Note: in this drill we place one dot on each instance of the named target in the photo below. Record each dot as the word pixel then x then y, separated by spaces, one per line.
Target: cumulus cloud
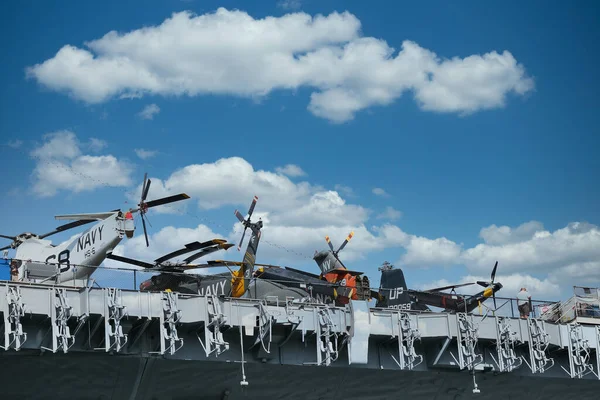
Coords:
pixel 289 4
pixel 145 154
pixel 565 257
pixel 390 213
pixel 15 144
pixel 498 235
pixel 61 165
pixel 149 111
pixel 380 192
pixel 544 251
pixel 96 145
pixel 229 52
pixel 291 170
pixel 298 215
pixel 345 190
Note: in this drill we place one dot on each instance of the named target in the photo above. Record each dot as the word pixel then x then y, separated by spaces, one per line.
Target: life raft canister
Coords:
pixel 129 225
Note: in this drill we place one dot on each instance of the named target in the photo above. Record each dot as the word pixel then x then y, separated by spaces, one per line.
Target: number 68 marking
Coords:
pixel 63 258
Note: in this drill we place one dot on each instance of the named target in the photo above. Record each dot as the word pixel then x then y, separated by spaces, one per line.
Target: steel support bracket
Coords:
pixel 408 333
pixel 507 360
pixel 13 310
pixel 169 318
pixel 214 320
pixel 114 312
pixel 538 340
pixel 60 314
pixel 579 353
pixel 467 337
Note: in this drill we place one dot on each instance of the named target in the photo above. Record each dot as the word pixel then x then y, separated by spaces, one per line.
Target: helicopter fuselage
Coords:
pixel 79 257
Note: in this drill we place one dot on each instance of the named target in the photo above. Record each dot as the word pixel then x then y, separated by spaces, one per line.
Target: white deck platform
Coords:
pixel 274 337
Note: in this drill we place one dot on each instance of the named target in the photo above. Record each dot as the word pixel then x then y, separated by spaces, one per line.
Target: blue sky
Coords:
pixel 478 143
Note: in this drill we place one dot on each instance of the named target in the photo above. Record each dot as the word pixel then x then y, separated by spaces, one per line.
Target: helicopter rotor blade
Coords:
pixel 165 200
pixel 239 216
pixel 208 251
pixel 9 237
pixel 68 226
pixel 145 188
pixel 131 261
pixel 145 232
pixel 329 243
pixel 348 238
pixel 252 205
pixel 448 287
pixel 242 239
pixel 494 271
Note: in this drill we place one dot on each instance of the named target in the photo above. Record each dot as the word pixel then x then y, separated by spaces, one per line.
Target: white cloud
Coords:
pixel 566 257
pixel 149 111
pixel 380 192
pixel 145 154
pixel 421 251
pixel 544 251
pixel 60 165
pixel 15 144
pixel 97 145
pixel 297 217
pixel 291 170
pixel 495 235
pixel 232 53
pixel 345 190
pixel 390 213
pixel 289 4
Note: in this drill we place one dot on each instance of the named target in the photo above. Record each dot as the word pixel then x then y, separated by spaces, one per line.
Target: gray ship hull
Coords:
pixel 103 377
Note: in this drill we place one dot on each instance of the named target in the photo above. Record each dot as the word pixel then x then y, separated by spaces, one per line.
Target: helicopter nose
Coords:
pixel 144 285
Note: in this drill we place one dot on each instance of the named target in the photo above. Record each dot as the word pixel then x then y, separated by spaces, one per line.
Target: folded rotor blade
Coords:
pixel 224 263
pixel 68 226
pixel 179 268
pixel 189 247
pixel 207 251
pixel 130 261
pixel 448 287
pixel 166 200
pixel 483 283
pixel 303 272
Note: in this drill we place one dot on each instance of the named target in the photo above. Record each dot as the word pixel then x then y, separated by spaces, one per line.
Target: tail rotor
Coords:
pixel 143 207
pixel 336 252
pixel 492 284
pixel 246 222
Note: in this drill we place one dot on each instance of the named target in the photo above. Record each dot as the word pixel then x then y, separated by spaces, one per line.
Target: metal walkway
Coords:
pixel 64 320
